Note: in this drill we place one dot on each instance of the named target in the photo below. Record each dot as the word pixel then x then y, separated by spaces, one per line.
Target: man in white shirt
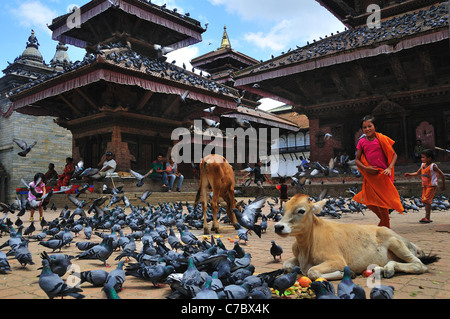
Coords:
pixel 108 165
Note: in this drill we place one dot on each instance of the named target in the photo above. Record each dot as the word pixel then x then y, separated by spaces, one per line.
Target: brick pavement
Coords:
pixel 22 283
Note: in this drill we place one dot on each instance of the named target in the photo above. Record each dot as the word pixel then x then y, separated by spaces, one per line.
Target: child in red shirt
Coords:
pixel 283 188
pixel 429 173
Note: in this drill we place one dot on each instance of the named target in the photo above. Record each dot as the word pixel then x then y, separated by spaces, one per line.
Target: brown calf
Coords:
pixel 217 173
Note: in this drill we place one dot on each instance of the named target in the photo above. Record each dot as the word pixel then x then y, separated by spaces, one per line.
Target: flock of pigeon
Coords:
pixel 393 29
pixel 170 253
pixel 194 268
pixel 189 265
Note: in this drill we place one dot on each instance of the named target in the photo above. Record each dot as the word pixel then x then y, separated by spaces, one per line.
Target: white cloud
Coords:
pixel 276 39
pixel 34 14
pixel 184 55
pixel 291 21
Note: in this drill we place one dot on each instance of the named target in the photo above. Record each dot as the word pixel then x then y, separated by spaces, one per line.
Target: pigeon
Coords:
pixel 85 245
pixel 347 289
pixel 54 286
pixel 323 290
pixel 184 96
pixel 53 244
pixel 154 273
pixel 275 250
pixel 29 230
pixel 207 292
pixel 173 240
pixel 234 292
pixel 192 276
pixel 260 292
pixel 87 231
pixel 242 233
pixel 96 277
pixel 128 249
pixel 249 216
pixel 4 264
pixel 285 281
pixel 24 146
pixel 382 292
pixel 23 254
pixel 101 251
pixel 144 196
pixel 59 263
pixel 114 281
pixel 81 190
pixel 140 177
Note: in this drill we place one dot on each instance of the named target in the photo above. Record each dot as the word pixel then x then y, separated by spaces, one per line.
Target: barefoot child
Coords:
pixel 429 173
pixel 375 158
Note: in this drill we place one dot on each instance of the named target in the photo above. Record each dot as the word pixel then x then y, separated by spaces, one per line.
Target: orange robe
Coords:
pixel 379 190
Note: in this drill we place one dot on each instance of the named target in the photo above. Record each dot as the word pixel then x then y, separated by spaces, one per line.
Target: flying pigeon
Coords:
pixel 24 146
pixel 249 216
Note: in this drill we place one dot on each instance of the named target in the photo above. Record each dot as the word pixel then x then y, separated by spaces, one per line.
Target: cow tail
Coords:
pixel 429 259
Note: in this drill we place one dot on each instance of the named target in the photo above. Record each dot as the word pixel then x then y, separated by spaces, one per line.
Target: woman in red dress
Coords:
pixel 69 169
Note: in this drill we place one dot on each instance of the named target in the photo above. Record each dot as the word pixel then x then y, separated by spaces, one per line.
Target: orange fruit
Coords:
pixel 304 281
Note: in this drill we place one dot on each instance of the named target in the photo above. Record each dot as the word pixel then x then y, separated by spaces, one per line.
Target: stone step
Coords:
pixel 60 200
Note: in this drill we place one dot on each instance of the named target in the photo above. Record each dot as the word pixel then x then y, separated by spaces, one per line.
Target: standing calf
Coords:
pixel 217 173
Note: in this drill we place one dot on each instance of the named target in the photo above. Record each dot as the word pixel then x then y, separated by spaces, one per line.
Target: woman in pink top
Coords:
pixel 39 187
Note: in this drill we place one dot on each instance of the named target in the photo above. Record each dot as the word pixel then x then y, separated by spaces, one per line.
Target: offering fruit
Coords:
pixel 304 281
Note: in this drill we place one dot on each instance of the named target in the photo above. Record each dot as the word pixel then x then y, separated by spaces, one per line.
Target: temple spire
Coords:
pixel 226 44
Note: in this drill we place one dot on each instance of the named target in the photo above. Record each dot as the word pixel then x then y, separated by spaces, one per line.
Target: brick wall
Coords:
pixel 54 145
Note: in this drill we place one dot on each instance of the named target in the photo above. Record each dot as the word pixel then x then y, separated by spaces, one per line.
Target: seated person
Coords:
pixel 159 173
pixel 172 171
pixel 69 169
pixel 108 165
pixel 51 176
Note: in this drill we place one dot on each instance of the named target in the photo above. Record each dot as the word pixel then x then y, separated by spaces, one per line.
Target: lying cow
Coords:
pixel 217 173
pixel 323 248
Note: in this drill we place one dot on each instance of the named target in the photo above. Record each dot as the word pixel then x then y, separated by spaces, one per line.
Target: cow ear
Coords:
pixel 317 207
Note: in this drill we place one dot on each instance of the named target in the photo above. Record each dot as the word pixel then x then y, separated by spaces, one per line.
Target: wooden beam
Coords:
pixel 174 104
pixel 145 98
pixel 94 32
pixel 90 102
pixel 362 77
pixel 306 90
pixel 336 78
pixel 70 105
pixel 399 71
pixel 427 66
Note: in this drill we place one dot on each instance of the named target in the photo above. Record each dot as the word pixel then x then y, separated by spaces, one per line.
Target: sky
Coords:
pixel 257 28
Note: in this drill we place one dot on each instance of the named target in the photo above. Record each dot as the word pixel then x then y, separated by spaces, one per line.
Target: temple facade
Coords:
pixel 124 96
pixel 399 71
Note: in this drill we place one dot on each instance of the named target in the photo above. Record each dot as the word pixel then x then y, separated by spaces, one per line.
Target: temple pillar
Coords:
pixel 120 150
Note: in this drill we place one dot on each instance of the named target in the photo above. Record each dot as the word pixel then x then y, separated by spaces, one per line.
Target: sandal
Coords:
pixel 425 220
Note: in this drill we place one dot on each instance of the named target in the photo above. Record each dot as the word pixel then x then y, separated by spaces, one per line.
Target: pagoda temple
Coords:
pixel 399 71
pixel 223 62
pixel 124 96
